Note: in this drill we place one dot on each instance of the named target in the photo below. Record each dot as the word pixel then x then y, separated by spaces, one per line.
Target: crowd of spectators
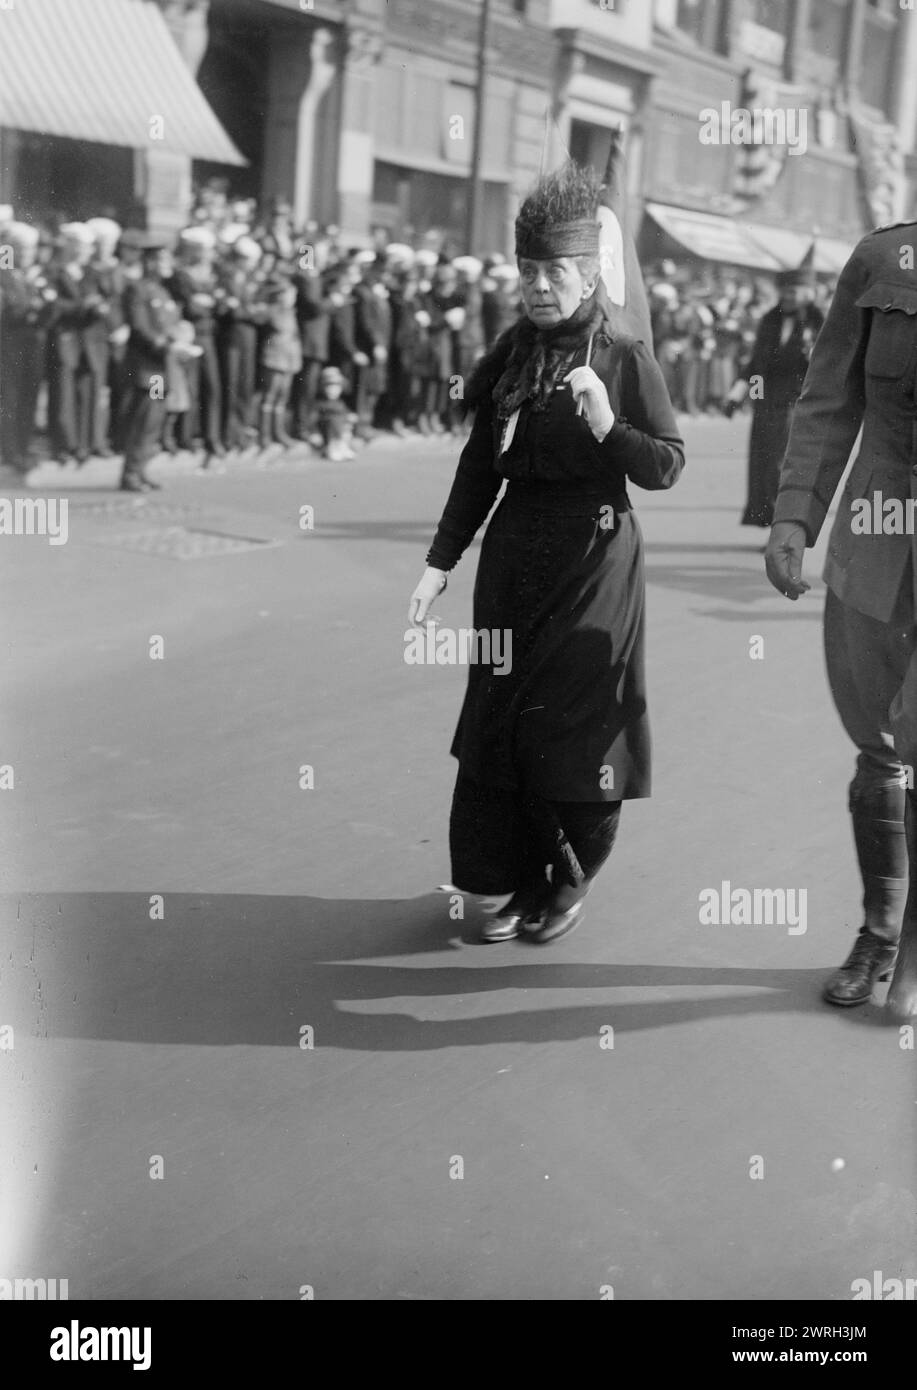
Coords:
pixel 288 337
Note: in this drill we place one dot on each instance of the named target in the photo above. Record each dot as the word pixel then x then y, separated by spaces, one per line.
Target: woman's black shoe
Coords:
pixel 559 921
pixel 526 909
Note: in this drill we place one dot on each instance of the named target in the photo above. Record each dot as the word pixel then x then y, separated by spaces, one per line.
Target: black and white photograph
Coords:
pixel 458 713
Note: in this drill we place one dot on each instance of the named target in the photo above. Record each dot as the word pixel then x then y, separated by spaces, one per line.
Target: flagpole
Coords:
pixel 475 189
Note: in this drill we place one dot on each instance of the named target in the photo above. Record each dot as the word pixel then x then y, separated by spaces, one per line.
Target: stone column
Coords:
pixel 355 157
pixel 853 46
pixel 322 70
pixel 903 106
pixel 796 38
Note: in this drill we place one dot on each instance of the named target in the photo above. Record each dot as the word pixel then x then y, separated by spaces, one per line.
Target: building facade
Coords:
pixel 843 73
pixel 361 112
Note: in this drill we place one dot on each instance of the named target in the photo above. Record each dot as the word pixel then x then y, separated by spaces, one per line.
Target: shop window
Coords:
pixel 827 28
pixel 770 14
pixel 703 21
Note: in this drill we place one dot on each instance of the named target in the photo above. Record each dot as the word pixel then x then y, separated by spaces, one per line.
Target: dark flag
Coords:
pixel 621 273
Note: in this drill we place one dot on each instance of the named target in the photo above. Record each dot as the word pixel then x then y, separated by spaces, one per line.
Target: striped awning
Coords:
pixel 107 71
pixel 713 238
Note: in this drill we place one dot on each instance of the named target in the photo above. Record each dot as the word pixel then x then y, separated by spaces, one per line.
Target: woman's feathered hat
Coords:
pixel 560 216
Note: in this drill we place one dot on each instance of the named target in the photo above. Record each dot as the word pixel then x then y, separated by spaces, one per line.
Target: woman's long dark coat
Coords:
pixel 561 568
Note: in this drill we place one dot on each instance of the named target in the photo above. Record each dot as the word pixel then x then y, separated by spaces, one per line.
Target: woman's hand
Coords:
pixel 430 587
pixel 589 387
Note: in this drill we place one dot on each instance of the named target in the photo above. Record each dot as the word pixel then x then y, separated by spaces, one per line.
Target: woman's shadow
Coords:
pixel 233 970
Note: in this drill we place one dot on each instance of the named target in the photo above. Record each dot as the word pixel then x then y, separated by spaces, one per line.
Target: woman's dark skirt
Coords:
pixel 548 749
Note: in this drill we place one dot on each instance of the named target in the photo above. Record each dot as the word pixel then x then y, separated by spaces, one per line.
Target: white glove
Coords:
pixel 430 587
pixel 455 318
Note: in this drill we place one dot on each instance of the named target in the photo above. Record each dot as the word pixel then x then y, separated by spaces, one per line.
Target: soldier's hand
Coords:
pixel 430 587
pixel 783 558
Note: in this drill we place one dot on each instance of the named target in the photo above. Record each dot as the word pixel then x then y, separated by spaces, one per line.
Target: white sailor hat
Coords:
pixel 77 231
pixel 663 290
pixel 398 253
pixel 504 272
pixel 246 247
pixel 231 231
pixel 22 234
pixel 365 257
pixel 469 266
pixel 198 236
pixel 426 258
pixel 104 228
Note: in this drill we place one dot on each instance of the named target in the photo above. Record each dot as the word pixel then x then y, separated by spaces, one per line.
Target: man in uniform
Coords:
pixel 26 308
pixel 109 333
pixel 242 312
pixel 80 345
pixel 863 372
pixel 154 319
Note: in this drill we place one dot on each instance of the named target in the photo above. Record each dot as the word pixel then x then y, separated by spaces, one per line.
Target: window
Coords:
pixel 771 14
pixel 879 41
pixel 703 21
pixel 827 28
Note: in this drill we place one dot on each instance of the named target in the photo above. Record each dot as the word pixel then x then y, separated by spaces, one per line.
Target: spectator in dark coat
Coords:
pixel 79 345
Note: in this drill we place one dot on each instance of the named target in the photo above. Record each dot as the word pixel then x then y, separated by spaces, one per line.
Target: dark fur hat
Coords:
pixel 559 216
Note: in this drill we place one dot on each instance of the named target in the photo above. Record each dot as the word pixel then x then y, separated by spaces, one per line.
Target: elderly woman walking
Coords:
pixel 555 736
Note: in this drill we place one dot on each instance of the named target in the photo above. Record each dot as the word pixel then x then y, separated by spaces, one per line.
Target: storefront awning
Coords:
pixel 831 254
pixel 713 238
pixel 104 70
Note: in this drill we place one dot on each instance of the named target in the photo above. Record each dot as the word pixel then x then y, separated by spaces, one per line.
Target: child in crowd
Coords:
pixel 335 421
pixel 281 360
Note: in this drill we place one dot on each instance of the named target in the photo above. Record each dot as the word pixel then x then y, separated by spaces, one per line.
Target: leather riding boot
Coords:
pixel 871 960
pixel 902 996
pixel 879 834
pixel 878 830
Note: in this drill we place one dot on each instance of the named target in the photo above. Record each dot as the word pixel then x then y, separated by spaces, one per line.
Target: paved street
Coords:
pixel 178 910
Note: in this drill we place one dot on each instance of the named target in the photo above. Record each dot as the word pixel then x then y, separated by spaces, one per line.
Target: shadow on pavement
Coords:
pixel 228 970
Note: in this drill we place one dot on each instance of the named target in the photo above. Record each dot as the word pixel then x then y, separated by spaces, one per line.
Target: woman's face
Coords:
pixel 552 290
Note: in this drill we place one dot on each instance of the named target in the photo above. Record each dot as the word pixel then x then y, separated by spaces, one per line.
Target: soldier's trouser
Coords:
pixel 143 431
pixel 871 665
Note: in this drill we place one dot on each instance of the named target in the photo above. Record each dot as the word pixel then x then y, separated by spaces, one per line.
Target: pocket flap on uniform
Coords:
pixel 887 295
pixel 893 330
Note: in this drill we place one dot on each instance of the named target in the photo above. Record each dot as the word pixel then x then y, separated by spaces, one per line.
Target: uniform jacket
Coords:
pixel 23 306
pixel 312 308
pixel 83 309
pixel 152 314
pixel 862 373
pixel 197 294
pixel 241 306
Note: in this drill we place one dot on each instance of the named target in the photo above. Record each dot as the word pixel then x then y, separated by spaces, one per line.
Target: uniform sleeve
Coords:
pixel 644 439
pixel 473 493
pixel 143 331
pixel 829 412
